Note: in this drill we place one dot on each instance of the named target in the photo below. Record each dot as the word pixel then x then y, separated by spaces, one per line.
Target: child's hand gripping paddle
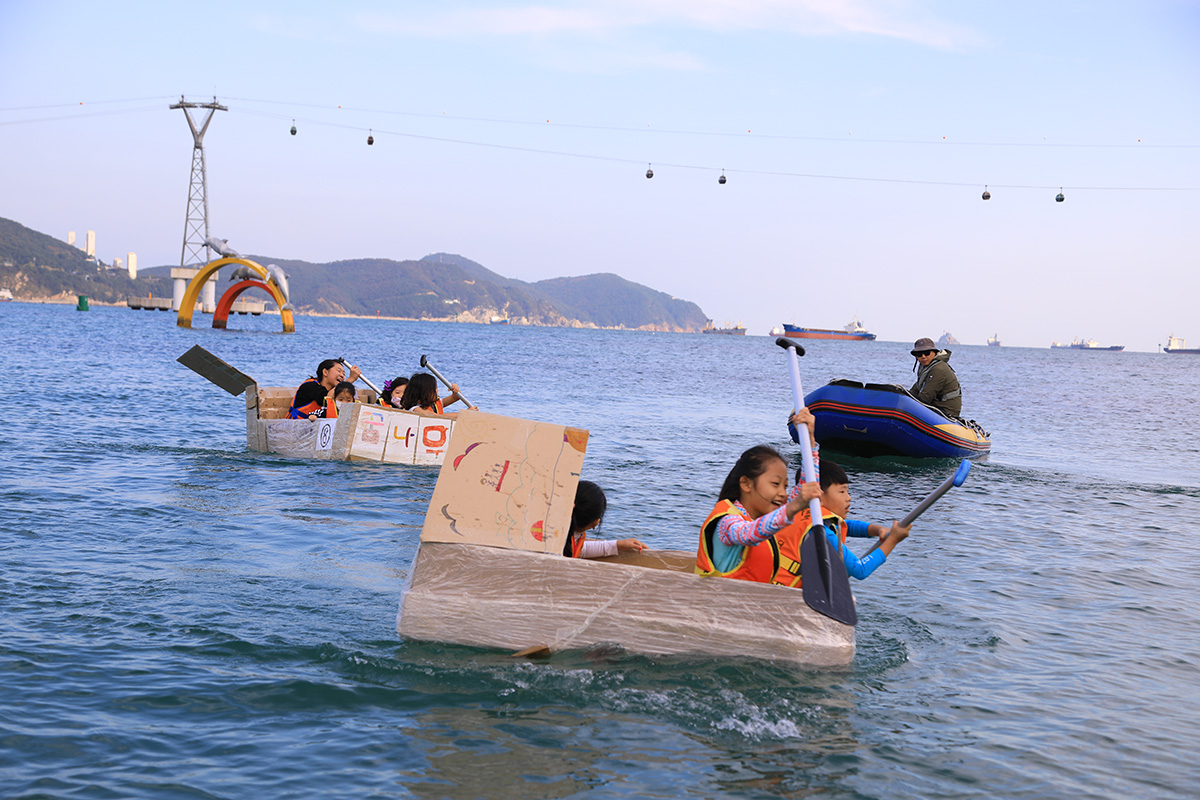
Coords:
pixel 824 581
pixel 426 365
pixel 956 479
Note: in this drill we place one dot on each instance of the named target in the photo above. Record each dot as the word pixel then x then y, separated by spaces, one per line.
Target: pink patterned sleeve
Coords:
pixel 734 532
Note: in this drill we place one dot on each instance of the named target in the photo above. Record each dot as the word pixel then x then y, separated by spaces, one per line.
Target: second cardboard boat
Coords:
pixel 490 573
pixel 360 432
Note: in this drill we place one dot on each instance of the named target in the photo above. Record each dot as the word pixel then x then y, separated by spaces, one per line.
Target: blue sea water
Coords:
pixel 184 618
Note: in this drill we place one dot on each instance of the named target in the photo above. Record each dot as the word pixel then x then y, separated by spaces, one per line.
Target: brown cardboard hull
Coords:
pixel 361 432
pixel 650 604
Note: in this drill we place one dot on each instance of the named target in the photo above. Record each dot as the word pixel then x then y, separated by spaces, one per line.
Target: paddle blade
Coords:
pixel 824 581
pixel 789 344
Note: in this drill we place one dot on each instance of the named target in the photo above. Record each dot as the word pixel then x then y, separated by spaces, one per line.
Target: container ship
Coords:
pixel 853 330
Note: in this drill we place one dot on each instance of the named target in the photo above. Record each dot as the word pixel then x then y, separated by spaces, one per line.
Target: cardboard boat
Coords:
pixel 360 432
pixel 489 570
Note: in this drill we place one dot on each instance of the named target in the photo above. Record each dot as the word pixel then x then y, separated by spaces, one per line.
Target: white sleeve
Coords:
pixel 598 548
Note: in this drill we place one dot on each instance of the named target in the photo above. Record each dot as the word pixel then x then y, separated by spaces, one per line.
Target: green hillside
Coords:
pixel 420 289
pixel 35 266
pixel 605 300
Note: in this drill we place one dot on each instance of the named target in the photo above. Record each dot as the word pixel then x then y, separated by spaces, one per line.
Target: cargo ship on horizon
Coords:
pixel 1179 346
pixel 853 330
pixel 731 330
pixel 1086 344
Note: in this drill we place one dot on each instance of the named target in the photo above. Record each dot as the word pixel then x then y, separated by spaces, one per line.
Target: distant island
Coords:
pixel 442 286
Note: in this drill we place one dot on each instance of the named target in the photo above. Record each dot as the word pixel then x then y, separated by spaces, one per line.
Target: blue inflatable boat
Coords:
pixel 877 419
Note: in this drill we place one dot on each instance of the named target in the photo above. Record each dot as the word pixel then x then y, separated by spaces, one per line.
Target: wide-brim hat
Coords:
pixel 922 345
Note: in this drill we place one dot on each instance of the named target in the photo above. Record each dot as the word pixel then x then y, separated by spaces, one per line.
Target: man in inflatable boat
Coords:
pixel 936 385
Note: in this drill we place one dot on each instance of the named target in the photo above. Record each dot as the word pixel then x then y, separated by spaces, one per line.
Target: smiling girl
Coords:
pixel 737 538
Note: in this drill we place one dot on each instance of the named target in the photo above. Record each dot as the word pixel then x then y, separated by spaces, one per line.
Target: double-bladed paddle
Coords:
pixel 823 577
pixel 956 479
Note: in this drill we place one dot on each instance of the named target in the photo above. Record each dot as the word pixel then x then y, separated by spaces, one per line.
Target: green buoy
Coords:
pixel 83 303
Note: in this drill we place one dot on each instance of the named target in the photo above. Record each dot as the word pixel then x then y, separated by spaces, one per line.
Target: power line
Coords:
pixel 706 168
pixel 84 115
pixel 849 138
pixel 87 103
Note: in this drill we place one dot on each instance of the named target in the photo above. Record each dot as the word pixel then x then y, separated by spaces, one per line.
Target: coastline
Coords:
pixel 70 300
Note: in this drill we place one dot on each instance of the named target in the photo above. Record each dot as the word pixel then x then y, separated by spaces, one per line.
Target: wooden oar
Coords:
pixel 824 581
pixel 537 651
pixel 426 365
pixel 956 479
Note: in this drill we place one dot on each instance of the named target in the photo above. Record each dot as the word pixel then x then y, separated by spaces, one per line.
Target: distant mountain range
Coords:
pixel 439 286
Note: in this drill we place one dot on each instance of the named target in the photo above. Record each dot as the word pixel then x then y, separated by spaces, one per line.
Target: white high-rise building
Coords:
pixel 71 237
pixel 118 263
pixel 91 244
pixel 132 262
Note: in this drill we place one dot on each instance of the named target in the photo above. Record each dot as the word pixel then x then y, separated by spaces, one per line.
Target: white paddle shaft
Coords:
pixel 806 460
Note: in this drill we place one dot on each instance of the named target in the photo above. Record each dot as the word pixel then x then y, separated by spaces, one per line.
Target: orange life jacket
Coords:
pixel 575 542
pixel 759 562
pixel 436 408
pixel 330 408
pixel 789 539
pixel 308 408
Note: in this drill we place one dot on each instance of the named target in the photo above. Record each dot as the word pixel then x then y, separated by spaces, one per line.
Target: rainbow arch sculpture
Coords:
pixel 225 304
pixel 188 305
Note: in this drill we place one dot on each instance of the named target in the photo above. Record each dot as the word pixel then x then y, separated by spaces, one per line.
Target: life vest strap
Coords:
pixel 790 566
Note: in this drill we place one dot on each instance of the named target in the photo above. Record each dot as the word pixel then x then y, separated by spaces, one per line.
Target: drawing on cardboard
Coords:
pixel 516 490
pixel 470 447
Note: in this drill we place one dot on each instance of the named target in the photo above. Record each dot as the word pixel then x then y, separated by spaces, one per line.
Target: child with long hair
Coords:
pixel 590 505
pixel 420 395
pixel 737 537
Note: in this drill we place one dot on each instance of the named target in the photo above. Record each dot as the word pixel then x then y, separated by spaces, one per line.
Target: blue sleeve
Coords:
pixel 857 568
pixel 856 527
pixel 725 556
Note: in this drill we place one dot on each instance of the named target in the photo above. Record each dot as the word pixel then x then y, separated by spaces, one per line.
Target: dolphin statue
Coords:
pixel 244 273
pixel 281 279
pixel 222 247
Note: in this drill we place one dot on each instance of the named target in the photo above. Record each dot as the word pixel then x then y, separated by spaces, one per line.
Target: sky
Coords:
pixel 856 138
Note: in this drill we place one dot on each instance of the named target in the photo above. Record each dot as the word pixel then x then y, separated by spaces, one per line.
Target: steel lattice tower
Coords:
pixel 195 227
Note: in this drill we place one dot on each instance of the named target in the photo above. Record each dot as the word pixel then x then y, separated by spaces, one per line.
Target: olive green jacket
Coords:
pixel 937 386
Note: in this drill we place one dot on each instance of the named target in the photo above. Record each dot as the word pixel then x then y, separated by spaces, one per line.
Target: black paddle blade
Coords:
pixel 824 581
pixel 786 343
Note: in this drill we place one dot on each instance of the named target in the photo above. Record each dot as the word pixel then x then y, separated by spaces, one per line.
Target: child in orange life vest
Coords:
pixel 342 393
pixel 420 395
pixel 392 392
pixel 737 538
pixel 835 504
pixel 590 505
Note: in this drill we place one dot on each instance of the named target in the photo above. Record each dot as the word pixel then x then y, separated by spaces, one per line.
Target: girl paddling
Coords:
pixel 736 540
pixel 420 395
